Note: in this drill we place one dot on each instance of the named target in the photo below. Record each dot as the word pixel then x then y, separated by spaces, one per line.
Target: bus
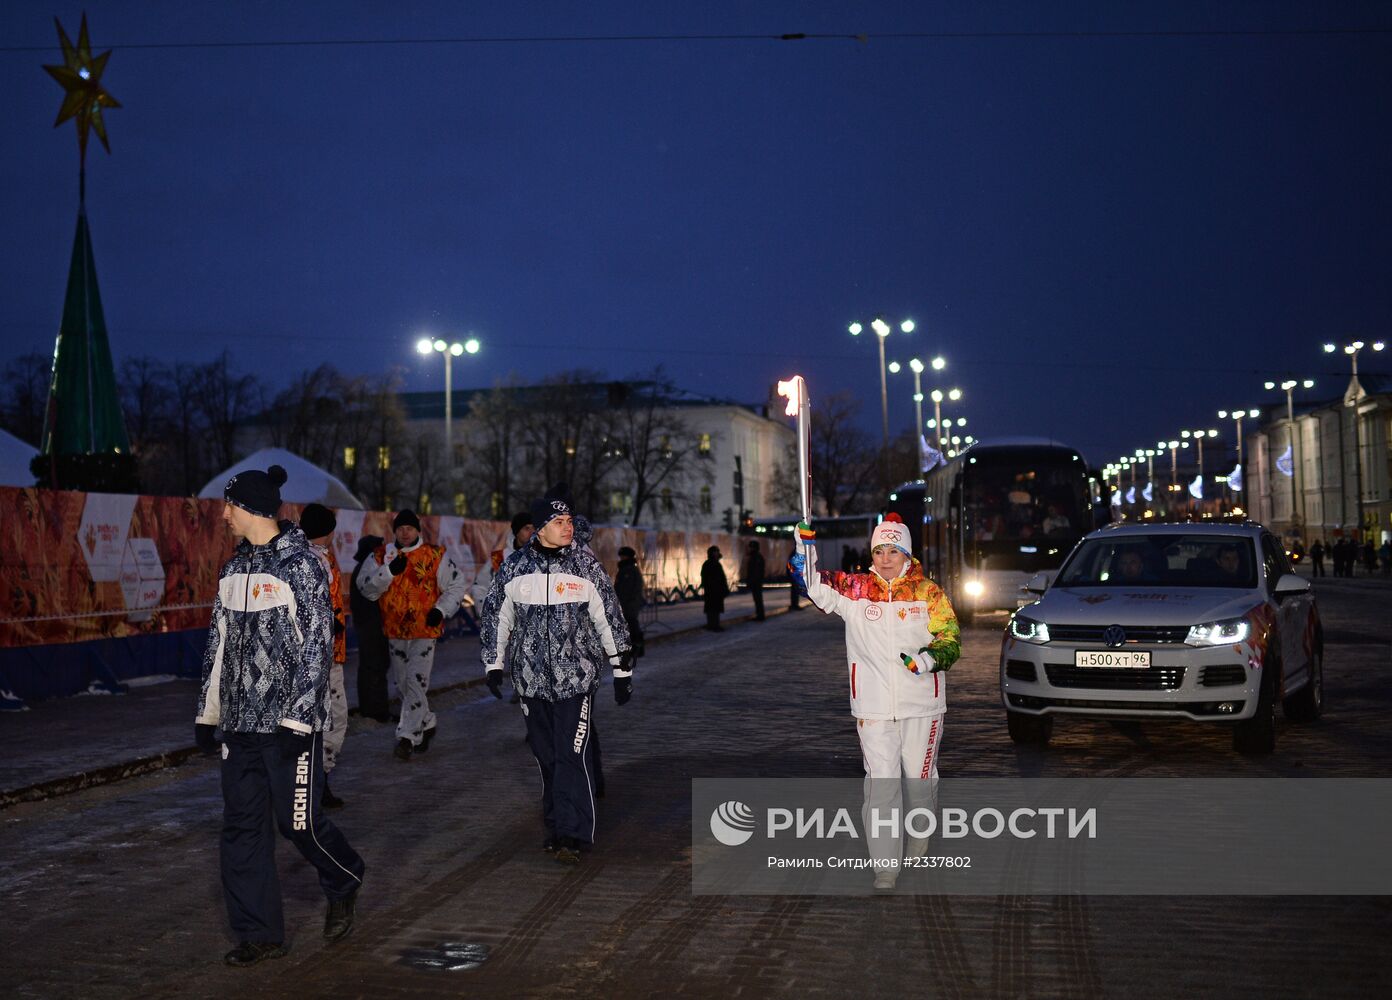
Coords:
pixel 995 515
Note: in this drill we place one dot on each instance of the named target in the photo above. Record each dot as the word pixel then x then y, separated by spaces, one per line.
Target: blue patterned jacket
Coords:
pixel 269 641
pixel 551 618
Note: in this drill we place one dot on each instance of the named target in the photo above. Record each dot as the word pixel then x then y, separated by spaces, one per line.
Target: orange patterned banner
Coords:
pixel 80 566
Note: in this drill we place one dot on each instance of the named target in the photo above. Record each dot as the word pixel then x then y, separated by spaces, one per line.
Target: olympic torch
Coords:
pixel 795 389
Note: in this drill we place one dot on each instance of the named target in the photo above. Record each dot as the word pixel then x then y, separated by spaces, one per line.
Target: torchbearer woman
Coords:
pixel 901 636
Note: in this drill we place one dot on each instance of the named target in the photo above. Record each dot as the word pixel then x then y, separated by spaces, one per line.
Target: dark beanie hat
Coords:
pixel 627 553
pixel 256 492
pixel 365 546
pixel 520 520
pixel 406 517
pixel 555 503
pixel 713 552
pixel 316 521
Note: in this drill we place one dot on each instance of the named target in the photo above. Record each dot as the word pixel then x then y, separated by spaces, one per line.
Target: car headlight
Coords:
pixel 974 588
pixel 1029 630
pixel 1224 633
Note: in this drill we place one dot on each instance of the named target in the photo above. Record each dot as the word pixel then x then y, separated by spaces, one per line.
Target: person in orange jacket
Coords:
pixel 417 587
pixel 318 524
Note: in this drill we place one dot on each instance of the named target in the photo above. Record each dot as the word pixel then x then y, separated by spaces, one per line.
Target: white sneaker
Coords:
pixel 916 847
pixel 884 880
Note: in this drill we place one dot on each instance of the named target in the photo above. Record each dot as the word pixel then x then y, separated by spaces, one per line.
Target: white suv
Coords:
pixel 1195 621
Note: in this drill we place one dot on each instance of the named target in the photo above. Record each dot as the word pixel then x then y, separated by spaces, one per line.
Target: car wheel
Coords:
pixel 1307 703
pixel 1257 735
pixel 1029 729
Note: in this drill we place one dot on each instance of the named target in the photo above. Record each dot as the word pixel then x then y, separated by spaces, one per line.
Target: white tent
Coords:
pixel 14 461
pixel 305 482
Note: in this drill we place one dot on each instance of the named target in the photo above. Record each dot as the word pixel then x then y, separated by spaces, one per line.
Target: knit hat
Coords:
pixel 366 545
pixel 406 518
pixel 256 492
pixel 316 521
pixel 627 553
pixel 520 520
pixel 713 552
pixel 555 503
pixel 892 531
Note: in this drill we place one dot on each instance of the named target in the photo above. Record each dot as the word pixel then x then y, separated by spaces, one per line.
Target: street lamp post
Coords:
pixel 1198 437
pixel 916 366
pixel 1297 487
pixel 882 330
pixel 451 350
pixel 1351 399
pixel 938 396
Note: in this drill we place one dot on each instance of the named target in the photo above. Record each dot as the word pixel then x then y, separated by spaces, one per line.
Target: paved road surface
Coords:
pixel 112 892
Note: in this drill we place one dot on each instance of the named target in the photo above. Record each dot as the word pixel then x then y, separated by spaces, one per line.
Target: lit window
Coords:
pixel 350 457
pixel 424 506
pixel 705 500
pixel 703 444
pixel 666 448
pixel 570 446
pixel 384 457
pixel 461 505
pixel 495 505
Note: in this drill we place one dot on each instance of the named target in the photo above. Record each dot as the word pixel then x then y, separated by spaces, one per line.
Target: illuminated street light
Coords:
pixel 450 350
pixel 882 330
pixel 937 395
pixel 1288 386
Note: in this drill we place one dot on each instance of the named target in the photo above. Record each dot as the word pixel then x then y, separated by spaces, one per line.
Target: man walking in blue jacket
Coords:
pixel 265 676
pixel 552 619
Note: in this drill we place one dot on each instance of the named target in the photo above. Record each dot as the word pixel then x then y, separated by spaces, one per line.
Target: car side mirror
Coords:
pixel 1038 583
pixel 1289 585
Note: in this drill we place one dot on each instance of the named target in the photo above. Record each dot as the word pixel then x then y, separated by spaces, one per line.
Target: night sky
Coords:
pixel 1112 219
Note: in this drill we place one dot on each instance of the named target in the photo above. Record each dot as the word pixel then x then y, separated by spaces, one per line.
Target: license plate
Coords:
pixel 1138 659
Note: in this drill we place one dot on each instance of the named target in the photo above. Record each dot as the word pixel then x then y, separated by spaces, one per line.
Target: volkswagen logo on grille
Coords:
pixel 1114 636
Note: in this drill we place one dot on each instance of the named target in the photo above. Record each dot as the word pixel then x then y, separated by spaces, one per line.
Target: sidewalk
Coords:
pixel 67 744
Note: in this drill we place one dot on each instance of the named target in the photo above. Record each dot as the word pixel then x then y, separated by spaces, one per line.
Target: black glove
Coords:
pixel 292 743
pixel 623 690
pixel 397 565
pixel 204 737
pixel 626 659
pixel 435 617
pixel 495 683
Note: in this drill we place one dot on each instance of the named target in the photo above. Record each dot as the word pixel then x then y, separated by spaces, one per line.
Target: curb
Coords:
pixel 55 787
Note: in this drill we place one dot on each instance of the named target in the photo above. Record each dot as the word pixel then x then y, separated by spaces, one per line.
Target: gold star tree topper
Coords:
pixel 84 96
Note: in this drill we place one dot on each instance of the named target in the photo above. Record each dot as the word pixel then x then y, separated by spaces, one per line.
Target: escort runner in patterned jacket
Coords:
pixel 901 637
pixel 265 681
pixel 417 586
pixel 551 619
pixel 318 524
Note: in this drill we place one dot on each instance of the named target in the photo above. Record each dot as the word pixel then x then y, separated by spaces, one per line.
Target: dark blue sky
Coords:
pixel 1109 237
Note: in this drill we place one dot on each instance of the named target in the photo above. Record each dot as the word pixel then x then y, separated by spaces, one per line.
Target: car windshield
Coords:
pixel 1162 560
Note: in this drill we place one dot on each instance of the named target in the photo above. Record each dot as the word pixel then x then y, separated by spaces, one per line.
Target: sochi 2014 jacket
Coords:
pixel 268 652
pixel 552 619
pixel 430 580
pixel 886 619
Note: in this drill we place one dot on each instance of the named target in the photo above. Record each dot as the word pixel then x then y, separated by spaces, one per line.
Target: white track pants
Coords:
pixel 338 718
pixel 412 660
pixel 901 774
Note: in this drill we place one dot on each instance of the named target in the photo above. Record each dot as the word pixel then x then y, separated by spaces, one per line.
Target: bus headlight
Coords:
pixel 973 588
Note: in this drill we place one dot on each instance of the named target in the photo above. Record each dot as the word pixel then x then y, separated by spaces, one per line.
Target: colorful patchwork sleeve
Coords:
pixel 946 646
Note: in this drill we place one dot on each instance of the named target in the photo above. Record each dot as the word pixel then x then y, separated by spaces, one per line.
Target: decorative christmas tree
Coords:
pixel 84 446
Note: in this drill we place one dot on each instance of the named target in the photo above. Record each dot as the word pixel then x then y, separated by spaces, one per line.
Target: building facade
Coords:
pixel 1328 473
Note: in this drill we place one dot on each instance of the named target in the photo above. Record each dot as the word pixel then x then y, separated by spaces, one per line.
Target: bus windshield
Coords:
pixel 1042 503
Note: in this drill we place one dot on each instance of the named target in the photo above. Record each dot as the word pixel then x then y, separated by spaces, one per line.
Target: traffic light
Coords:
pixel 729 519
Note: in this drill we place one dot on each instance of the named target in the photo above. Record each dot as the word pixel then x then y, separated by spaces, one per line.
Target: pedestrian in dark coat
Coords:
pixel 628 585
pixel 715 587
pixel 372 641
pixel 1317 557
pixel 754 578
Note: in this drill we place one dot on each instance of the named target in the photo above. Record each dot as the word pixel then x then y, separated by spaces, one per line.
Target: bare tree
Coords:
pixel 844 461
pixel 493 419
pixel 224 399
pixel 309 415
pixel 25 382
pixel 652 445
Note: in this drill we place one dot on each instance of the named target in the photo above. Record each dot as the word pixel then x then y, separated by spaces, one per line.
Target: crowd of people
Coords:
pixel 273 702
pixel 1346 555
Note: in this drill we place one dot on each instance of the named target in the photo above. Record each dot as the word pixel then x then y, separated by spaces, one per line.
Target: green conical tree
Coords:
pixel 85 446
